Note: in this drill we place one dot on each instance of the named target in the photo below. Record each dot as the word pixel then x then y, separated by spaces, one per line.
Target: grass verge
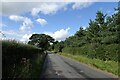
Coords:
pixel 109 66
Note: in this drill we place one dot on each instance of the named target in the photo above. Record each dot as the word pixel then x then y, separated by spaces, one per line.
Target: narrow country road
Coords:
pixel 58 67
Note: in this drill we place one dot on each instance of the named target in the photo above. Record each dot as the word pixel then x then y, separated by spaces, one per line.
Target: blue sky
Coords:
pixel 59 20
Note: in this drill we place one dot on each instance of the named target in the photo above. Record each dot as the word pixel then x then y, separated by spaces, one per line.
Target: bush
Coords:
pixel 110 40
pixel 16 57
pixel 102 52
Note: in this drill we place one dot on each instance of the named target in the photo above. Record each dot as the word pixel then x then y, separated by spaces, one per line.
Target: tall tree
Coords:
pixel 80 33
pixel 41 40
pixel 100 20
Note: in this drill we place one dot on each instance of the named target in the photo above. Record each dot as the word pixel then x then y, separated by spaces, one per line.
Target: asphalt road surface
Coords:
pixel 59 67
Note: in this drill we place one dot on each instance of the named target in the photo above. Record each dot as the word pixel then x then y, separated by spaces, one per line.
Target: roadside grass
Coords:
pixel 37 66
pixel 108 66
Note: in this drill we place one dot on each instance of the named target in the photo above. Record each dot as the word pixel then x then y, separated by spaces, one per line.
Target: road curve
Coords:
pixel 57 66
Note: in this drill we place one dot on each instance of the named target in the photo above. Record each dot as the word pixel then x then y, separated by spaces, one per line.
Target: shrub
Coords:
pixel 102 52
pixel 15 55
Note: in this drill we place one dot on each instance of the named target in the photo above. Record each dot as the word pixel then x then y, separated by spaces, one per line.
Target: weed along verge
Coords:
pixel 21 60
pixel 109 66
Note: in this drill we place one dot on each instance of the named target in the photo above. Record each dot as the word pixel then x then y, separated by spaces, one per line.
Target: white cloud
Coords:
pixel 59 35
pixel 16 35
pixel 48 8
pixel 65 8
pixel 10 34
pixel 17 8
pixel 16 18
pixel 35 11
pixel 24 30
pixel 2 25
pixel 42 21
pixel 26 25
pixel 25 37
pixel 81 5
pixel 60 1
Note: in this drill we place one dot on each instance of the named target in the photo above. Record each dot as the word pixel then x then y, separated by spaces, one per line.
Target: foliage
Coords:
pixel 41 40
pixel 102 52
pixel 99 40
pixel 109 66
pixel 19 60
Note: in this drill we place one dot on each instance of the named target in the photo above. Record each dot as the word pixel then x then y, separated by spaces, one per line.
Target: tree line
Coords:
pixel 99 40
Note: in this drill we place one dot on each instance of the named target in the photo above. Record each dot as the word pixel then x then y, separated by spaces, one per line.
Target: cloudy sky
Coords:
pixel 19 20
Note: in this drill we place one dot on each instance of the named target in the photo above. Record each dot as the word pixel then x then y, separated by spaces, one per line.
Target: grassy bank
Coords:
pixel 102 52
pixel 109 66
pixel 21 60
